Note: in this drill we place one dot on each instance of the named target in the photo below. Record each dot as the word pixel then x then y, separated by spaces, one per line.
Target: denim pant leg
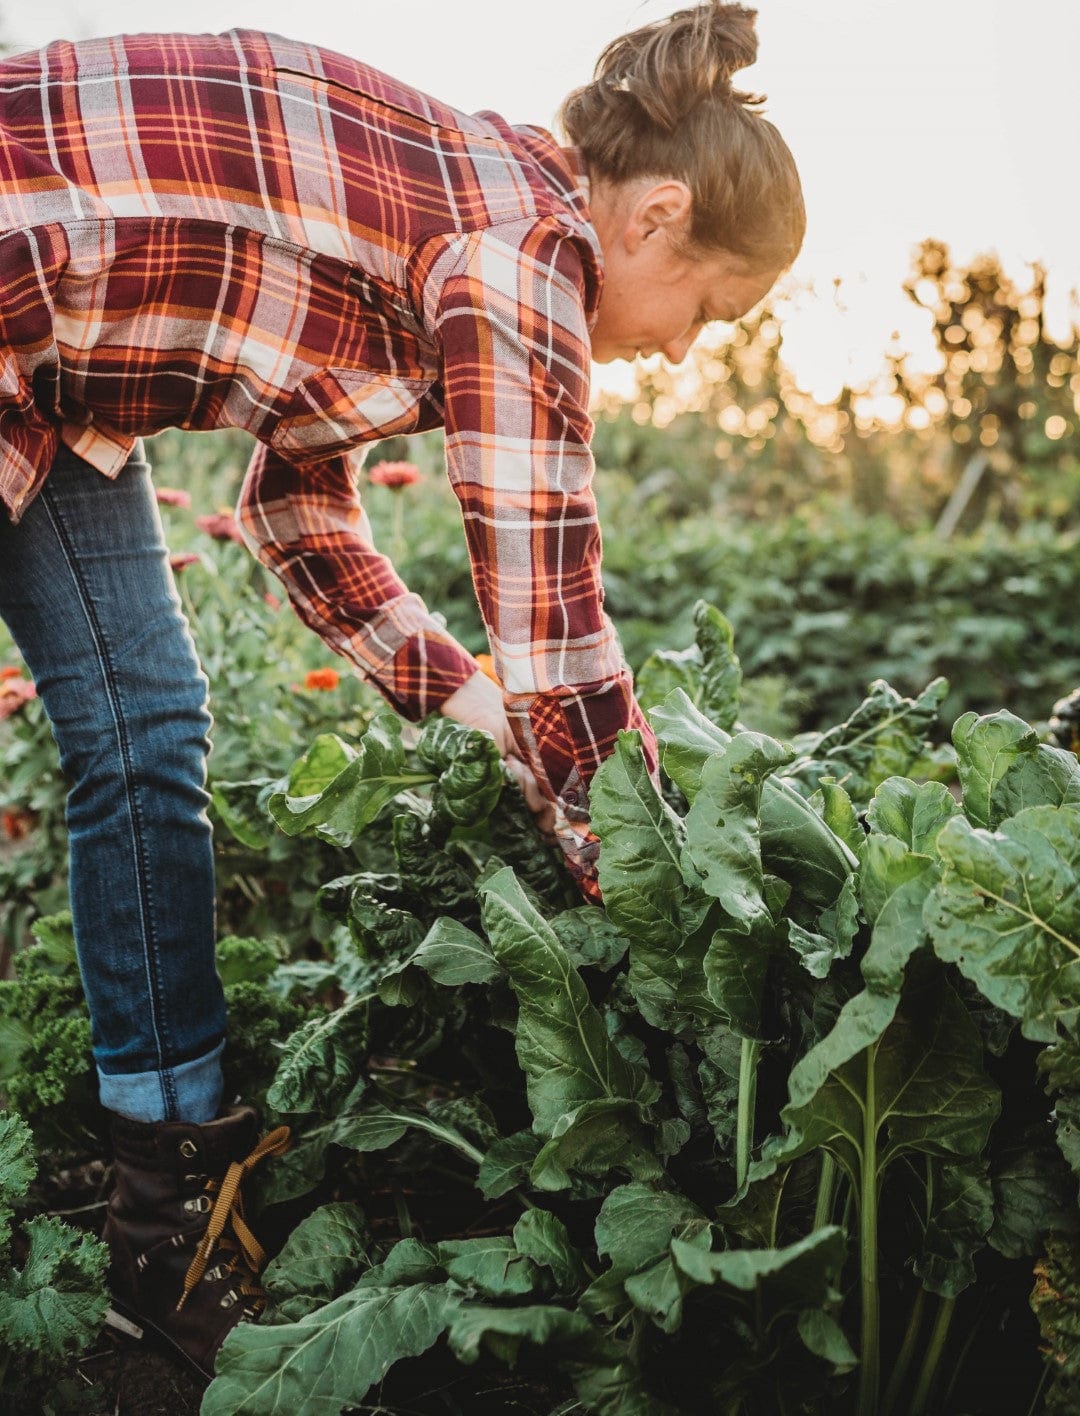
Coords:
pixel 88 596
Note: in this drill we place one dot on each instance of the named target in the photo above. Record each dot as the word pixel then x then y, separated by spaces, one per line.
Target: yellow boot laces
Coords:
pixel 229 1209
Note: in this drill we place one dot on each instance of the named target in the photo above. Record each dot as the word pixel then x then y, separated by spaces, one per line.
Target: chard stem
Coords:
pixel 868 1248
pixel 933 1356
pixel 826 1189
pixel 907 1349
pixel 744 1136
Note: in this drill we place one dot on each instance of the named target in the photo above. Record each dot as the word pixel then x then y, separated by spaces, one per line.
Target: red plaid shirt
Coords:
pixel 245 231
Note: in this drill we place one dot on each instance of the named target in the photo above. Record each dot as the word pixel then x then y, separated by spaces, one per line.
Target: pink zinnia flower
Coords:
pixel 172 496
pixel 222 525
pixel 394 474
pixel 14 692
pixel 181 562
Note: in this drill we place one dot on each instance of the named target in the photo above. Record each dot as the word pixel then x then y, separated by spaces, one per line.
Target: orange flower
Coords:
pixel 222 525
pixel 272 600
pixel 394 474
pixel 325 679
pixel 172 496
pixel 9 671
pixel 14 692
pixel 487 666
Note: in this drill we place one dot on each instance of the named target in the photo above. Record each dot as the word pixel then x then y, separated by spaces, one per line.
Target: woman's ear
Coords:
pixel 663 207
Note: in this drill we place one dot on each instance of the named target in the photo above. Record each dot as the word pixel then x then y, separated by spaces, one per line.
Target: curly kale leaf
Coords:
pixel 55 1303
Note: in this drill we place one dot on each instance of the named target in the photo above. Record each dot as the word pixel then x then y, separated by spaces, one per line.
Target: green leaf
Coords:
pixel 378 1126
pixel 561 1043
pixel 665 670
pixel 507 1163
pixel 17 1164
pixel 590 939
pixel 469 768
pixel 55 1304
pixel 454 955
pixel 735 968
pixel 723 848
pixel 1003 768
pixel 607 1133
pixel 634 1229
pixel 542 1237
pixel 884 737
pixel 474 1327
pixel 241 808
pixel 911 1076
pixel 825 1338
pixel 912 812
pixel 321 1257
pixel 802 1275
pixel 1034 1192
pixel 491 1266
pixel 961 1212
pixel 1007 913
pixel 321 1061
pixel 1061 1066
pixel 687 740
pixel 332 1357
pixel 334 792
pixel 721 674
pixel 1055 1302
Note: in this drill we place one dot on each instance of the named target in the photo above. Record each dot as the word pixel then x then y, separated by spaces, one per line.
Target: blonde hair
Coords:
pixel 662 104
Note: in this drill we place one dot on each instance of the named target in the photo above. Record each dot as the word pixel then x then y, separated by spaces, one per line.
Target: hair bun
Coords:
pixel 673 64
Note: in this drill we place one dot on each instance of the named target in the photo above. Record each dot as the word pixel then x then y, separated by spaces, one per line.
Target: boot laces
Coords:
pixel 228 1210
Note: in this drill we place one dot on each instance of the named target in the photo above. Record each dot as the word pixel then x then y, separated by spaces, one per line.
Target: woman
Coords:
pixel 246 231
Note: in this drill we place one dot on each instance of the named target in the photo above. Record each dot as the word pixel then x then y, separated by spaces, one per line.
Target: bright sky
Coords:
pixel 909 118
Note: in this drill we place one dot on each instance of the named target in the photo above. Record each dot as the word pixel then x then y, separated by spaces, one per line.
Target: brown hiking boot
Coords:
pixel 185 1266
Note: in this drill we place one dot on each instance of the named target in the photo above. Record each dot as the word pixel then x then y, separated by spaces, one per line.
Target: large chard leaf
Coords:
pixel 796 843
pixel 323 1255
pixel 723 848
pixel 1007 913
pixel 888 1081
pixel 322 1061
pixel 801 1276
pixel 476 1326
pixel 1034 1192
pixel 469 769
pixel 334 791
pixel 634 1229
pixel 958 1213
pixel 708 672
pixel 883 738
pixel 1004 768
pixel 562 1045
pixel 333 1356
pixel 646 894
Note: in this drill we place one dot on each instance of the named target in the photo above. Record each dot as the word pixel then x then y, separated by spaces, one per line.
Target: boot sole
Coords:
pixel 139 1329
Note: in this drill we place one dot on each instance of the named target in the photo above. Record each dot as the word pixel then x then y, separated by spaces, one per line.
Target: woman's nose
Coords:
pixel 675 350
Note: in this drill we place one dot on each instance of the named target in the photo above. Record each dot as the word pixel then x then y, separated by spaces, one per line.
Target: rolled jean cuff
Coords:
pixel 189 1092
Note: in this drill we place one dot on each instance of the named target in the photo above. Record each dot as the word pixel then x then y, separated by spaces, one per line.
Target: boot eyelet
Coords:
pixel 229 1299
pixel 188 1148
pixel 194 1179
pixel 199 1205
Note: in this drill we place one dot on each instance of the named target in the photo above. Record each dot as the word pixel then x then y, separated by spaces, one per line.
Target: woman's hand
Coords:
pixel 478 703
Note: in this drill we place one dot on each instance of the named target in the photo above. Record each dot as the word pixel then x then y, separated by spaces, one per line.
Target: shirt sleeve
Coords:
pixel 509 320
pixel 307 524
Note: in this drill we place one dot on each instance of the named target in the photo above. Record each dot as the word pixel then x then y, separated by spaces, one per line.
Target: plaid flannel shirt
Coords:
pixel 245 231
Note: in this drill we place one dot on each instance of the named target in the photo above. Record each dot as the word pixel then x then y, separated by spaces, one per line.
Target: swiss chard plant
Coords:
pixel 789 1125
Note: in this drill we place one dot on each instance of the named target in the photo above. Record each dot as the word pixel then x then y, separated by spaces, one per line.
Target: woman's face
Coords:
pixel 655 300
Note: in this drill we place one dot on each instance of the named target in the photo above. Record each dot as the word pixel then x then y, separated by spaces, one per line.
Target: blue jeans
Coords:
pixel 88 596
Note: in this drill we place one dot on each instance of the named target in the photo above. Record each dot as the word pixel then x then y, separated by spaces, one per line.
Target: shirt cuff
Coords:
pixel 427 669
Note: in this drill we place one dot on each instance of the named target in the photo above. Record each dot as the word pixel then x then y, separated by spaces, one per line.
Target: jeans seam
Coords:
pixel 149 946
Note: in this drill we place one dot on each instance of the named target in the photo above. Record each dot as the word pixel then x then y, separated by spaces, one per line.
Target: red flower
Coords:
pixel 222 525
pixel 272 600
pixel 16 824
pixel 172 496
pixel 394 474
pixel 9 671
pixel 325 679
pixel 14 692
pixel 181 562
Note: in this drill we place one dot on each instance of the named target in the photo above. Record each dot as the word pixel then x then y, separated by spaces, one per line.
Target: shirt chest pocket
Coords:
pixel 337 409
